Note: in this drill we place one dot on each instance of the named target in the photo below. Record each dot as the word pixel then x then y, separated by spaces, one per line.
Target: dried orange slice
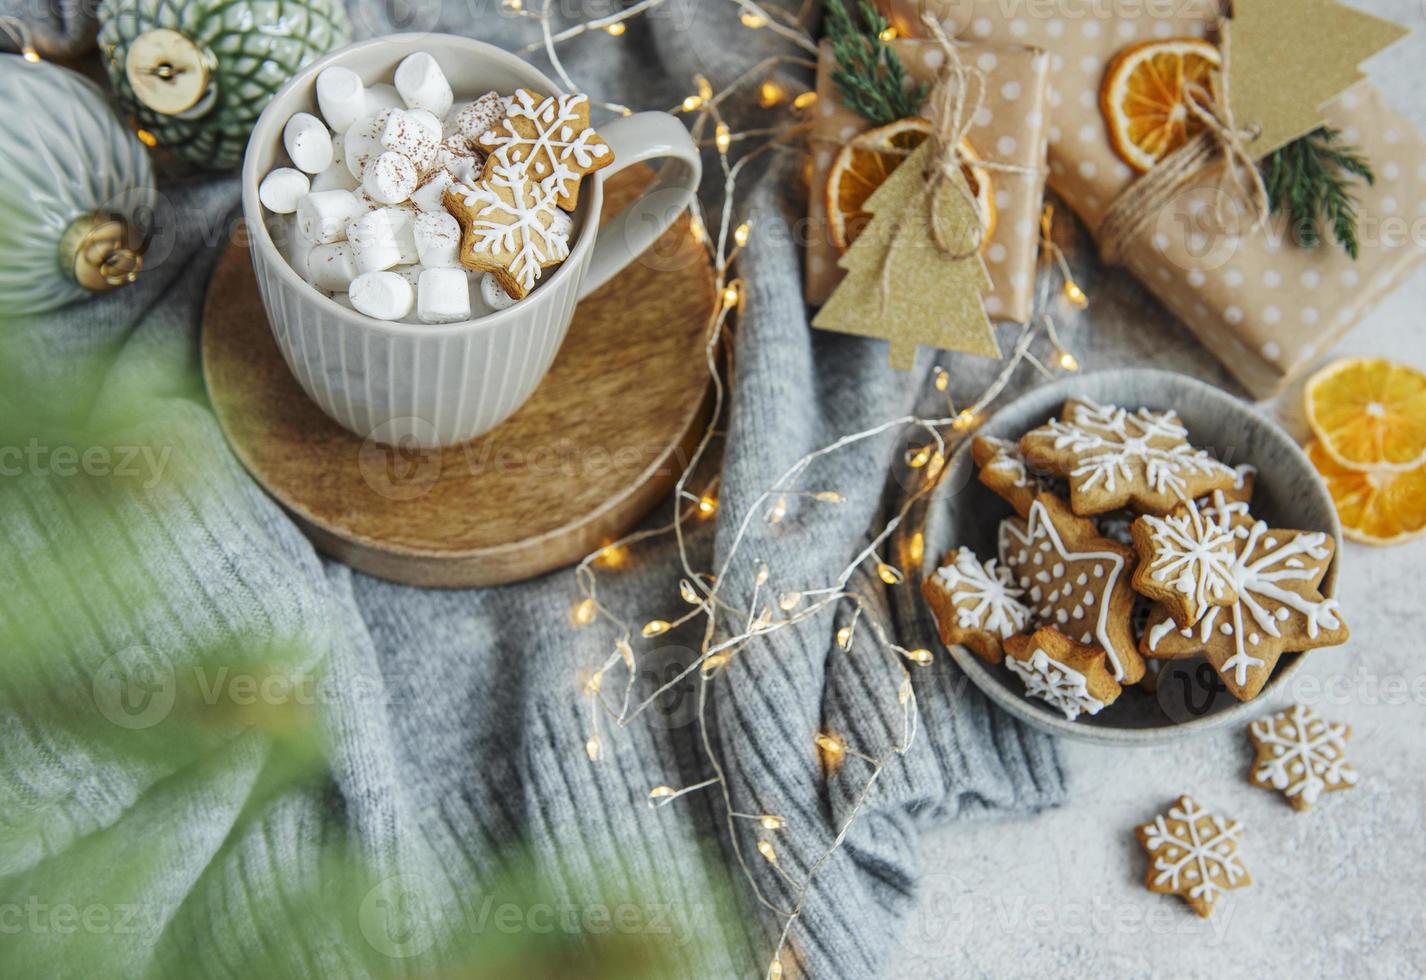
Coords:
pixel 1369 412
pixel 869 158
pixel 1145 93
pixel 1377 506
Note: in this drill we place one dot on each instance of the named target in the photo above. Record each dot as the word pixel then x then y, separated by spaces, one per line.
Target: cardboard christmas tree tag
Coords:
pixel 930 295
pixel 1287 60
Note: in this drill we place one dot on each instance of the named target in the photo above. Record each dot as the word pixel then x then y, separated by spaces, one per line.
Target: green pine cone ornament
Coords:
pixel 77 193
pixel 197 73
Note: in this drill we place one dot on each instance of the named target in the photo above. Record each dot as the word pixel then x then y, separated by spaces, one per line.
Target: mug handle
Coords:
pixel 624 237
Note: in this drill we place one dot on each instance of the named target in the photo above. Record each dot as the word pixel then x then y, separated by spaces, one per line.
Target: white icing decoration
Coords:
pixel 523 225
pixel 1051 681
pixel 1008 458
pixel 1257 580
pixel 1308 754
pixel 984 596
pixel 1200 850
pixel 1039 527
pixel 1192 556
pixel 559 140
pixel 1108 439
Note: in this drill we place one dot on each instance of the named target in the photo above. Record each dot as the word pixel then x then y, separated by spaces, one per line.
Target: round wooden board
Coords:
pixel 601 441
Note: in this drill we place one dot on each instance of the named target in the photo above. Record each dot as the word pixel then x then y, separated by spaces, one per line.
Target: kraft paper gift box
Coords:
pixel 1011 128
pixel 1264 305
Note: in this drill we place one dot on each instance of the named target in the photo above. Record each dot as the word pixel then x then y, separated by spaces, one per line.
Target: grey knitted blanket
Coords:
pixel 223 755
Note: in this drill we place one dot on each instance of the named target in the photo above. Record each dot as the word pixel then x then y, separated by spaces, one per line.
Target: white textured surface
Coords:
pixel 1338 889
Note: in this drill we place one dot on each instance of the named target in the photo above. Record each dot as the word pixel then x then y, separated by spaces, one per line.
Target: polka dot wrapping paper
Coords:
pixel 1265 306
pixel 1011 127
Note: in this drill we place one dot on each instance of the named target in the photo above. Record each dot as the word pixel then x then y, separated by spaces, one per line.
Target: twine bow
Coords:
pixel 955 101
pixel 1144 200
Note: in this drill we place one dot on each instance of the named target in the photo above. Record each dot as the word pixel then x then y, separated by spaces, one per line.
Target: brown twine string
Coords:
pixel 1141 203
pixel 955 101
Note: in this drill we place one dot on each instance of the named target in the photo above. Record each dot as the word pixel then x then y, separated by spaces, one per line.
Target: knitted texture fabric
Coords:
pixel 431 777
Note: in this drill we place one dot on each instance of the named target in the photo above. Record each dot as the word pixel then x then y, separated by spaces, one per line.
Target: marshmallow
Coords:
pixel 322 216
pixel 308 143
pixel 408 135
pixel 442 296
pixel 473 119
pixel 382 95
pixel 428 122
pixel 411 273
pixel 422 84
pixel 463 163
pixel 336 177
pixel 494 294
pixel 403 220
pixel 341 97
pixel 389 179
pixel 362 141
pixel 296 250
pixel 280 190
pixel 373 238
pixel 431 195
pixel 437 237
pixel 332 267
pixel 382 295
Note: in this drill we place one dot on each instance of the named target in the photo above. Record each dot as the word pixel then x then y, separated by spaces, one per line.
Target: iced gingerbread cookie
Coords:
pixel 551 137
pixel 509 227
pixel 1114 458
pixel 1278 610
pixel 1067 675
pixel 1193 853
pixel 1186 561
pixel 1075 580
pixel 976 605
pixel 1301 755
pixel 1245 479
pixel 1004 471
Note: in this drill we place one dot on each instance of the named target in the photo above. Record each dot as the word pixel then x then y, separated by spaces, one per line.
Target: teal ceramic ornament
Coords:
pixel 77 189
pixel 197 73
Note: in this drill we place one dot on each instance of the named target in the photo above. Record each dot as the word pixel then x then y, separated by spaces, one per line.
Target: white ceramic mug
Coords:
pixel 439 385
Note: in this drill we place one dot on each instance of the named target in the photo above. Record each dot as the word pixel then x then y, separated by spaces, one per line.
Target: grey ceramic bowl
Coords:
pixel 1289 494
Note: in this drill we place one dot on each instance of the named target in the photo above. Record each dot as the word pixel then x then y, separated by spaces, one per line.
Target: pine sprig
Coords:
pixel 1312 179
pixel 869 75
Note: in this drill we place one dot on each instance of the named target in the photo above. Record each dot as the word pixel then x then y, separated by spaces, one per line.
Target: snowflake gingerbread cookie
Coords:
pixel 1067 675
pixel 1114 458
pixel 509 227
pixel 1278 610
pixel 551 139
pixel 976 605
pixel 1193 853
pixel 1186 561
pixel 1301 755
pixel 1075 581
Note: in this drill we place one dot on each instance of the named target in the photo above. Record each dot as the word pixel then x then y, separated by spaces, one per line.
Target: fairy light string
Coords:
pixel 699 595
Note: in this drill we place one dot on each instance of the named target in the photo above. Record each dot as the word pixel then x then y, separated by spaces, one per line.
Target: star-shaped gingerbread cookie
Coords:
pixel 976 605
pixel 508 228
pixel 552 139
pixel 1075 580
pixel 1004 471
pixel 1279 609
pixel 1193 853
pixel 1067 675
pixel 1115 458
pixel 1186 561
pixel 1301 755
